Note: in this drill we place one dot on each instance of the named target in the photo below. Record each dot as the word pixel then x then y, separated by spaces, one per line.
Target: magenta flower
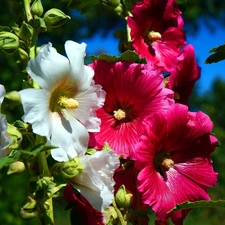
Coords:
pixel 184 75
pixel 156 32
pixel 133 91
pixel 173 157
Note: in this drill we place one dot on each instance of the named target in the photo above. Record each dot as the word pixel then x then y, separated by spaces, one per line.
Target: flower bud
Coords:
pixel 16 168
pixel 72 168
pixel 12 99
pixel 26 31
pixel 23 55
pixel 124 198
pixel 111 215
pixel 37 8
pixel 55 18
pixel 29 210
pixel 9 42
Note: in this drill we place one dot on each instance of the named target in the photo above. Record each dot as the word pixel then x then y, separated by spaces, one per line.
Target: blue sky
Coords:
pixel 203 41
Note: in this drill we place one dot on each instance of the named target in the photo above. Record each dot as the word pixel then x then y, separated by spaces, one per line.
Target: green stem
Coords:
pixel 48 217
pixel 28 14
pixel 122 221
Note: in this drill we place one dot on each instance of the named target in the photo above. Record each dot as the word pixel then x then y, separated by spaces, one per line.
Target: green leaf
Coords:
pixel 6 161
pixel 126 56
pixel 197 204
pixel 218 55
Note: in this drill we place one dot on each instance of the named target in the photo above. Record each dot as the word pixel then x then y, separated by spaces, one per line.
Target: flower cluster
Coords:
pixel 122 130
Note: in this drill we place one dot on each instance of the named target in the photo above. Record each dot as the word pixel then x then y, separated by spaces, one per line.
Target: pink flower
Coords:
pixel 173 157
pixel 156 32
pixel 133 91
pixel 184 75
pixel 87 214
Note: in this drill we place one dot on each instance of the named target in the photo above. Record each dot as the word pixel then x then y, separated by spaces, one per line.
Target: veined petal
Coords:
pixel 2 93
pixel 48 67
pixel 36 110
pixel 4 137
pixel 80 73
pixel 69 135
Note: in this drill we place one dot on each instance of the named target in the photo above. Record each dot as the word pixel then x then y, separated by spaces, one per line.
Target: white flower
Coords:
pixel 96 182
pixel 4 137
pixel 63 109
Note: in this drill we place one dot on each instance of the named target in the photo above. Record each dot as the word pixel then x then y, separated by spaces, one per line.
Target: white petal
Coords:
pixel 89 101
pixel 96 180
pixel 4 137
pixel 36 110
pixel 69 135
pixel 80 74
pixel 2 94
pixel 48 67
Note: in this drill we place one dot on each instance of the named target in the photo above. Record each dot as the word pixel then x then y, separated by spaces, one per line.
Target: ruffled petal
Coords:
pixel 4 137
pixel 96 180
pixel 2 93
pixel 48 67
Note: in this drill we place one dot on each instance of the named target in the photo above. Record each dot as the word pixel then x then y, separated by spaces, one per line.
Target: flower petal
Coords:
pixel 48 67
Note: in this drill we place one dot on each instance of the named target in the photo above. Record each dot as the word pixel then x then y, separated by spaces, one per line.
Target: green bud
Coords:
pixel 72 168
pixel 55 18
pixel 16 168
pixel 9 42
pixel 111 215
pixel 13 99
pixel 124 197
pixel 16 136
pixel 37 8
pixel 26 31
pixel 110 3
pixel 29 210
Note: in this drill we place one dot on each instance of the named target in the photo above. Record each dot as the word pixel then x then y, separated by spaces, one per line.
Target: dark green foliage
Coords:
pixel 218 55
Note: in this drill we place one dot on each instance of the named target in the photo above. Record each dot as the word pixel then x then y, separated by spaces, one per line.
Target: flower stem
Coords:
pixel 48 217
pixel 122 221
pixel 28 14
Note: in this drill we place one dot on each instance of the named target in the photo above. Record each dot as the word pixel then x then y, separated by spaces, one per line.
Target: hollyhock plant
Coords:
pixel 156 32
pixel 133 91
pixel 63 109
pixel 173 157
pixel 4 137
pixel 184 75
pixel 95 182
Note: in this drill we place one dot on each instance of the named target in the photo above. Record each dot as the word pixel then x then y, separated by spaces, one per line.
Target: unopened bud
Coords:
pixel 16 168
pixel 111 215
pixel 55 18
pixel 26 31
pixel 29 210
pixel 124 197
pixel 9 42
pixel 23 55
pixel 72 168
pixel 37 8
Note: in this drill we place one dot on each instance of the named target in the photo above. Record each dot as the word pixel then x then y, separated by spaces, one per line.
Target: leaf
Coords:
pixel 83 5
pixel 197 204
pixel 6 161
pixel 218 55
pixel 126 56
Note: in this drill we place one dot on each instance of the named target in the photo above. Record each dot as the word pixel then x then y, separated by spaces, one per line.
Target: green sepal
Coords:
pixel 126 56
pixel 90 151
pixel 218 55
pixel 197 204
pixel 106 146
pixel 7 160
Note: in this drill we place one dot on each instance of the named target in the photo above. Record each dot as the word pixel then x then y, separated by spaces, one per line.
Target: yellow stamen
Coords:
pixel 68 103
pixel 119 114
pixel 154 36
pixel 168 163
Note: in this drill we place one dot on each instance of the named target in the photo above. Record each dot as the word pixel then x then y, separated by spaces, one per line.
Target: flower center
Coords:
pixel 68 103
pixel 119 114
pixel 154 36
pixel 167 163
